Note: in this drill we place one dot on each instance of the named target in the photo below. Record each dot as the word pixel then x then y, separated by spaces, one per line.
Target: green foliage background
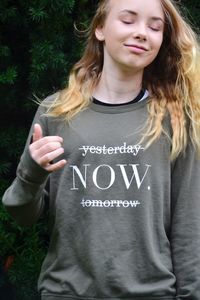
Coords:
pixel 38 46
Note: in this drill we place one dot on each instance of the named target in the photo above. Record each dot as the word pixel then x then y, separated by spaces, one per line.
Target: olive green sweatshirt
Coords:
pixel 124 220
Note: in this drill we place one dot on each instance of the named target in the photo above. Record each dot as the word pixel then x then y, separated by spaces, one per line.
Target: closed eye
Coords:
pixel 154 28
pixel 127 22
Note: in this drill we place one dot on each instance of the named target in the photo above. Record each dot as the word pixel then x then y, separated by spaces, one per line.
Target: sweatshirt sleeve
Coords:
pixel 185 228
pixel 25 198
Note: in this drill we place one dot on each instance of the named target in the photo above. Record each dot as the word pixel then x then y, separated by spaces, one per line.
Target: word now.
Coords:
pixel 111 174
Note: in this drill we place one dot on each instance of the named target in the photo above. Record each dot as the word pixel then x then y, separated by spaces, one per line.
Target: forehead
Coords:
pixel 143 7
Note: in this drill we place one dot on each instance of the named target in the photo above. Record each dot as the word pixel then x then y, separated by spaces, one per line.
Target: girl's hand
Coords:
pixel 44 149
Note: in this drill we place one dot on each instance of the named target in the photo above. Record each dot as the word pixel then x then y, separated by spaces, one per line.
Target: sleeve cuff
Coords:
pixel 30 171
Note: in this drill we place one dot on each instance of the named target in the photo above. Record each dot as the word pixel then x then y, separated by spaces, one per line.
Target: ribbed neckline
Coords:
pixel 136 99
pixel 118 109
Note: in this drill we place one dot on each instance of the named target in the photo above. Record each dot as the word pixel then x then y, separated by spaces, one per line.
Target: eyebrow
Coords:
pixel 154 18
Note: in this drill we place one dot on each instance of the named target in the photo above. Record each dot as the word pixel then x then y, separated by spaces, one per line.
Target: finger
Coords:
pixel 37 133
pixel 47 158
pixel 57 166
pixel 47 148
pixel 45 140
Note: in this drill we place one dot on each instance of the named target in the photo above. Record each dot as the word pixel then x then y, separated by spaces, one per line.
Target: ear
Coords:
pixel 99 34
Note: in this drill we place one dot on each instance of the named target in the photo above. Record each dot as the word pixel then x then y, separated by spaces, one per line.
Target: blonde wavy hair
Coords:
pixel 173 80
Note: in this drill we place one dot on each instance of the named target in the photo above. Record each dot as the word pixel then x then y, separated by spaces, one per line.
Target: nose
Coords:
pixel 140 32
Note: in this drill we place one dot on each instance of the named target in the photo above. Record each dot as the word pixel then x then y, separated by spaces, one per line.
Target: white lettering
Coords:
pixel 112 177
pixel 76 170
pixel 123 149
pixel 109 203
pixel 85 149
pixel 135 174
pixel 100 173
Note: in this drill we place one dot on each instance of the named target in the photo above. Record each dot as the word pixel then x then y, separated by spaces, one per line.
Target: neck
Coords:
pixel 118 88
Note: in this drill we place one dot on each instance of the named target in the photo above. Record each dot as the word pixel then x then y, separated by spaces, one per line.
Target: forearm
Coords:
pixel 24 199
pixel 185 228
pixel 186 257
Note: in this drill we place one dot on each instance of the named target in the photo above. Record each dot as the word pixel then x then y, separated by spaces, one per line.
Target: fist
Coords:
pixel 44 150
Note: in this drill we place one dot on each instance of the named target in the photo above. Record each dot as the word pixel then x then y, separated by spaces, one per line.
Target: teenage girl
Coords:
pixel 114 160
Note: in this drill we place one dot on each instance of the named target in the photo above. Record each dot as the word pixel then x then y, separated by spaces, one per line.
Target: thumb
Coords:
pixel 37 133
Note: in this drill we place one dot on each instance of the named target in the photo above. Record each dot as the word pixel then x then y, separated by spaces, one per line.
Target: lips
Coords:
pixel 136 48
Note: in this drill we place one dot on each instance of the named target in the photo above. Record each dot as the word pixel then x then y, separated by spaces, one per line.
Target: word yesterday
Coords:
pixel 133 149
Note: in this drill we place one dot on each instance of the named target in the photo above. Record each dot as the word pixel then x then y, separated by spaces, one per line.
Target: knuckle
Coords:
pixel 53 146
pixel 50 168
pixel 45 139
pixel 53 167
pixel 32 153
pixel 47 158
pixel 48 148
pixel 30 147
pixel 61 150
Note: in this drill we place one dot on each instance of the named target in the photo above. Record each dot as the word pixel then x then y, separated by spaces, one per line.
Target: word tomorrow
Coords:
pixel 110 203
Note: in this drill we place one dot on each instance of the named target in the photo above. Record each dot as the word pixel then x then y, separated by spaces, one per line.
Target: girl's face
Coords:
pixel 132 34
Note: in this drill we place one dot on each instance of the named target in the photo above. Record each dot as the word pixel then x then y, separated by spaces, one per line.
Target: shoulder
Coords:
pixel 45 104
pixel 49 100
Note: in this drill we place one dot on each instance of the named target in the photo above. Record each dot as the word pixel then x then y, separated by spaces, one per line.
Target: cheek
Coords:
pixel 159 42
pixel 156 45
pixel 156 48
